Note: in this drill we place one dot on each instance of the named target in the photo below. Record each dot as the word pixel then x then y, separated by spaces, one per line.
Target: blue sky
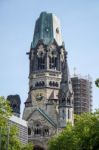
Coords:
pixel 80 31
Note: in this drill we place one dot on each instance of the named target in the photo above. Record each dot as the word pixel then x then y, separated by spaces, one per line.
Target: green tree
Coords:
pixel 9 134
pixel 63 140
pixel 9 139
pixel 84 135
pixel 5 111
pixel 28 146
pixel 97 82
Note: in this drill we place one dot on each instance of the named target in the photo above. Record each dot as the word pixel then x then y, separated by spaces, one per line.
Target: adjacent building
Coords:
pixel 82 87
pixel 15 103
pixel 22 127
pixel 15 119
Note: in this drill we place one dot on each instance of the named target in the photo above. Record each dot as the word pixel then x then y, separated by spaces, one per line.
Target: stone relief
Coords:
pixel 40 51
pixel 52 52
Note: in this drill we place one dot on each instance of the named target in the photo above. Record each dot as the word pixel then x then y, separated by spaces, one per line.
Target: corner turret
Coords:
pixel 65 95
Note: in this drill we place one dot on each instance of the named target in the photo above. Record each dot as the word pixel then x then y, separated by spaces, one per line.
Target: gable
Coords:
pixel 38 114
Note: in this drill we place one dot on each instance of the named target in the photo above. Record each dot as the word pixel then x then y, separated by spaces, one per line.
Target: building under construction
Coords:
pixel 82 87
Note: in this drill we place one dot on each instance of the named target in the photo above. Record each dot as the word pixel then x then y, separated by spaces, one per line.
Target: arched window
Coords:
pixel 68 114
pixel 50 83
pixel 54 84
pixel 63 111
pixel 41 63
pixel 63 100
pixel 45 131
pixel 29 131
pixel 40 84
pixel 43 83
pixel 52 62
pixel 68 101
pixel 63 114
pixel 37 131
pixel 37 128
pixel 36 84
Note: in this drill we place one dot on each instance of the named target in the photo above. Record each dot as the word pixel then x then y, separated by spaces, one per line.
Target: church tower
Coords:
pixel 50 98
pixel 15 103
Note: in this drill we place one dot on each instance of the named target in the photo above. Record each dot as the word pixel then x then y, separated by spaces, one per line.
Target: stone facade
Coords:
pixel 15 103
pixel 49 105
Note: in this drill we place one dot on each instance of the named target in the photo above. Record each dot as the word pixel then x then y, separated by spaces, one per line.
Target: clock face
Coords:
pixel 39 97
pixel 47 29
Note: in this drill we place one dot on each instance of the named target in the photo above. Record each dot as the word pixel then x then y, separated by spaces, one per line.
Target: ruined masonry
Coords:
pixel 49 105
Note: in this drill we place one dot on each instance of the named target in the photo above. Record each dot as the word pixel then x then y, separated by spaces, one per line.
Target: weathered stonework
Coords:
pixel 49 105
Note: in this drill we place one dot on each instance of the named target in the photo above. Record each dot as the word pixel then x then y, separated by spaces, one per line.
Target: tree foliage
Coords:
pixel 84 135
pixel 28 146
pixel 97 82
pixel 9 134
pixel 5 111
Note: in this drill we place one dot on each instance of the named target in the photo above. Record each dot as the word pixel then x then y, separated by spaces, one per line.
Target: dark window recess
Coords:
pixel 68 101
pixel 56 84
pixel 53 84
pixel 68 114
pixel 63 111
pixel 37 128
pixel 36 84
pixel 29 131
pixel 63 100
pixel 41 63
pixel 50 83
pixel 40 84
pixel 37 131
pixel 63 114
pixel 14 106
pixel 45 131
pixel 52 62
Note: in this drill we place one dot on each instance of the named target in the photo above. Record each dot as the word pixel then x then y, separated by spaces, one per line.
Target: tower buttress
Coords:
pixel 65 95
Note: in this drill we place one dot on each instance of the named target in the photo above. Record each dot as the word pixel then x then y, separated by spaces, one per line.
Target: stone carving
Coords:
pixel 52 52
pixel 62 54
pixel 40 51
pixel 39 97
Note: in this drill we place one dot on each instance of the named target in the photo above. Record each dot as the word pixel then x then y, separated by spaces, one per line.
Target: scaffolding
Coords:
pixel 82 87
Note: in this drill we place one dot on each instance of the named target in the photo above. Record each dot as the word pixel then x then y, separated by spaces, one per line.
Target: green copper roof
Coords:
pixel 47 117
pixel 47 28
